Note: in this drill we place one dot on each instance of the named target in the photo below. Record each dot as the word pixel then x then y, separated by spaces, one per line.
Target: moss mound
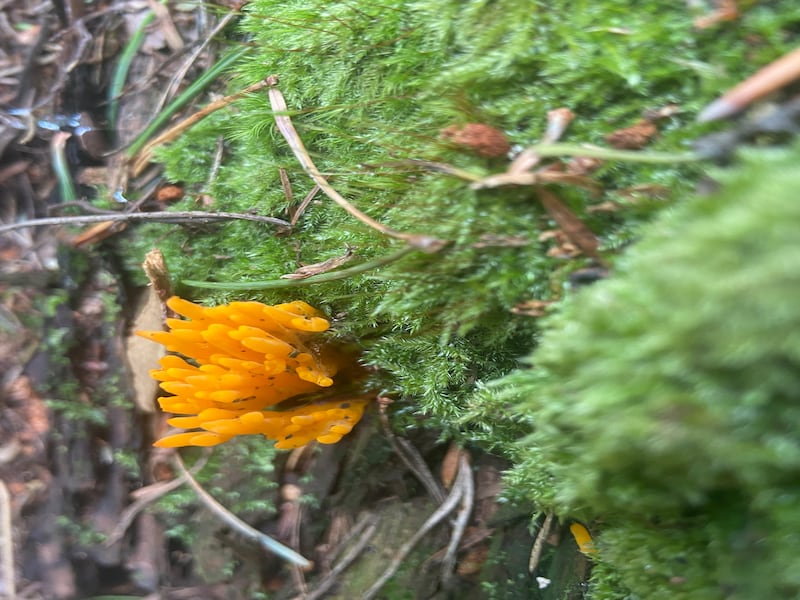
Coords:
pixel 369 88
pixel 665 399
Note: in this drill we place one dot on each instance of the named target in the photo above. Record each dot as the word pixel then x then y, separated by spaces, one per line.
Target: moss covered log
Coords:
pixel 375 91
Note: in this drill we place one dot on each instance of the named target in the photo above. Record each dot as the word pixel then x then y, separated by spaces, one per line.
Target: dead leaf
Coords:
pixel 481 139
pixel 578 234
pixel 473 561
pixel 634 137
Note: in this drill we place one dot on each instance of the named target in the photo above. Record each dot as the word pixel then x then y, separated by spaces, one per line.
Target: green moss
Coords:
pixel 371 85
pixel 665 398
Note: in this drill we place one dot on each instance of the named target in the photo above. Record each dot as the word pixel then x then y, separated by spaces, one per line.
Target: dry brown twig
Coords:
pixel 456 495
pixel 146 496
pixel 321 267
pixel 364 529
pixel 180 74
pixel 303 205
pixel 769 79
pixel 412 459
pixel 461 520
pixel 284 122
pixel 197 217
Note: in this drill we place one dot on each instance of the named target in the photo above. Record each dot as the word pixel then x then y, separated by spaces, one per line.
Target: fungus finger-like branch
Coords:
pixel 289 133
pixel 232 521
pixel 461 520
pixel 369 525
pixel 437 517
pixel 538 544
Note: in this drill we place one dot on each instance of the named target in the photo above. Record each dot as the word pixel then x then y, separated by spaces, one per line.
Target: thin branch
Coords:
pixel 554 150
pixel 369 525
pixel 303 205
pixel 412 459
pixel 7 543
pixel 192 216
pixel 460 525
pixel 439 515
pixel 285 126
pixel 276 284
pixel 232 521
pixel 148 495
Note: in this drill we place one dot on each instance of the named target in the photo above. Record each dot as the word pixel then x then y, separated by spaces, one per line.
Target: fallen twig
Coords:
pixel 235 523
pixel 303 205
pixel 654 158
pixel 180 75
pixel 321 278
pixel 192 216
pixel 412 459
pixel 146 153
pixel 538 544
pixel 285 126
pixel 145 496
pixel 189 93
pixel 767 80
pixel 439 515
pixel 461 520
pixel 368 524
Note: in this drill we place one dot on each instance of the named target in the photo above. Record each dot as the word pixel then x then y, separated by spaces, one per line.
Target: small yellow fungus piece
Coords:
pixel 582 538
pixel 239 362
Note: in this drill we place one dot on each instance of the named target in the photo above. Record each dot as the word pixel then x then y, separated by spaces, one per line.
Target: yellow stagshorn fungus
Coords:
pixel 242 360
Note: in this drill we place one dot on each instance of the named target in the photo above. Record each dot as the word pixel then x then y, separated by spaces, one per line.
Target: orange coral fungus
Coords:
pixel 244 358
